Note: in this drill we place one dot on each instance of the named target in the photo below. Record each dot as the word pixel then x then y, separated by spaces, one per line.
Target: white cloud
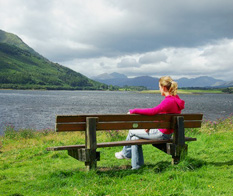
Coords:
pixel 134 37
pixel 153 57
pixel 210 60
pixel 128 62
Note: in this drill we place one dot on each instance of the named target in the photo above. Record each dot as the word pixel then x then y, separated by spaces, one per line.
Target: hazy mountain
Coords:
pixel 227 84
pixel 203 81
pixel 22 67
pixel 106 76
pixel 147 81
pixel 152 83
pixel 122 80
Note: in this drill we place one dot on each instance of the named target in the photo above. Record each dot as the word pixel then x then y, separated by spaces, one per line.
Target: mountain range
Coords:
pixel 23 68
pixel 152 82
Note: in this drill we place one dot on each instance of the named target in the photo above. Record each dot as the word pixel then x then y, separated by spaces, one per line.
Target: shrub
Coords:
pixel 10 132
pixel 27 133
pixel 115 135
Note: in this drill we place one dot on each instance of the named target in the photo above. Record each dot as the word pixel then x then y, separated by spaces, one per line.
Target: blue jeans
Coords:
pixel 135 151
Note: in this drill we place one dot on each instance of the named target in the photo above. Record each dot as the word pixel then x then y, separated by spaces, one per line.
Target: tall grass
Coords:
pixel 26 168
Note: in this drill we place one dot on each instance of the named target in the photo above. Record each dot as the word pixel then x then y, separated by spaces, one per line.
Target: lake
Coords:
pixel 38 109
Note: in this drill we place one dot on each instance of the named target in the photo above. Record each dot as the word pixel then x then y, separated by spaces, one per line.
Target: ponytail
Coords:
pixel 172 86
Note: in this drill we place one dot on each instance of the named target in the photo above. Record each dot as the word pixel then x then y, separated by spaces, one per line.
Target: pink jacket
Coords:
pixel 170 105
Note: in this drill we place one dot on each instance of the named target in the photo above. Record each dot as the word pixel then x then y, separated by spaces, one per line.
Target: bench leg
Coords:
pixel 175 160
pixel 88 154
pixel 178 149
pixel 92 163
pixel 178 152
pixel 91 143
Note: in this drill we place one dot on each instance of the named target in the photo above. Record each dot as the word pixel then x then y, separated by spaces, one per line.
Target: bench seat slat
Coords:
pixel 119 143
pixel 113 126
pixel 111 117
pixel 192 124
pixel 132 125
pixel 144 125
pixel 124 125
pixel 70 127
pixel 125 117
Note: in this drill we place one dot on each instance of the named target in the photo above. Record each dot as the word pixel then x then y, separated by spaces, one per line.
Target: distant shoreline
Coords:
pixel 180 91
pixel 187 91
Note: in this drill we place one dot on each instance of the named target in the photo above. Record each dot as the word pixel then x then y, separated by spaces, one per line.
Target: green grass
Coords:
pixel 199 91
pixel 26 168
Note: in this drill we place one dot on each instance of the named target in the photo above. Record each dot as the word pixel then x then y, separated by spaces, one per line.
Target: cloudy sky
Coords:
pixel 180 38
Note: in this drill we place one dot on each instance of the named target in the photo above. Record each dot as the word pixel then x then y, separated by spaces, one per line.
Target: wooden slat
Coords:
pixel 113 126
pixel 119 143
pixel 192 124
pixel 70 118
pixel 134 117
pixel 132 125
pixel 125 117
pixel 125 125
pixel 191 116
pixel 113 117
pixel 70 127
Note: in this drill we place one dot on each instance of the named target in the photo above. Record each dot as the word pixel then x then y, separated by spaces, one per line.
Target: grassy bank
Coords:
pixel 26 168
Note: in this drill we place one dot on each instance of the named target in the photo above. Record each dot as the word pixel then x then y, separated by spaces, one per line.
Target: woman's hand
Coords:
pixel 128 112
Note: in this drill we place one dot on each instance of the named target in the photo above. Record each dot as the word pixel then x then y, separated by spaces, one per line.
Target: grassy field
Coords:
pixel 26 168
pixel 189 91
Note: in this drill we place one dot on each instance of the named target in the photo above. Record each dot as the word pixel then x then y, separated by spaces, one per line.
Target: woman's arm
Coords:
pixel 162 107
pixel 146 111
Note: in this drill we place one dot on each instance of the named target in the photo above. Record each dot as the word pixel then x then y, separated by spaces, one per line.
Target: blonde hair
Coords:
pixel 172 86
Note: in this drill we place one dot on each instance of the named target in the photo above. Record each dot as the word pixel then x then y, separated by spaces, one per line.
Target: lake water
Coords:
pixel 38 109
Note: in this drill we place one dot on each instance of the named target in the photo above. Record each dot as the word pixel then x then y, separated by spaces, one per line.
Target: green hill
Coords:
pixel 14 40
pixel 23 68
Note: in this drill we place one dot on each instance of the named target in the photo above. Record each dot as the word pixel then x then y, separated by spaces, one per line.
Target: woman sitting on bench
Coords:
pixel 171 104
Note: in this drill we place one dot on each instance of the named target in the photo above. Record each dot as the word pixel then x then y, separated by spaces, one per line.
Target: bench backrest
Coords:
pixel 126 121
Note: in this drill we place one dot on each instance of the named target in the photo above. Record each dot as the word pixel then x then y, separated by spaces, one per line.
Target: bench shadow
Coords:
pixel 126 170
pixel 198 163
pixel 160 167
pixel 229 163
pixel 119 172
pixel 189 164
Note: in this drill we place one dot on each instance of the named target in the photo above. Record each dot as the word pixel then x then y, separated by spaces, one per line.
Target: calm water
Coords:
pixel 37 109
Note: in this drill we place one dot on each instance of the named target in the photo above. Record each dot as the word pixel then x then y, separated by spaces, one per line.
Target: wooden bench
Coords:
pixel 91 123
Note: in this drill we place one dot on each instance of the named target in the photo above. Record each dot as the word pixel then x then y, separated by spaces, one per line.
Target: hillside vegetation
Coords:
pixel 26 168
pixel 23 68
